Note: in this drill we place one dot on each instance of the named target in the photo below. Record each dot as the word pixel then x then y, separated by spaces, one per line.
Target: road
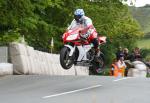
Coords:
pixel 73 89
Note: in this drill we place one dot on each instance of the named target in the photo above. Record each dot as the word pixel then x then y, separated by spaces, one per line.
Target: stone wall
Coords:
pixel 26 60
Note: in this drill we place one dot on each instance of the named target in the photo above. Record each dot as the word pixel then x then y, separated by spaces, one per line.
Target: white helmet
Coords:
pixel 78 14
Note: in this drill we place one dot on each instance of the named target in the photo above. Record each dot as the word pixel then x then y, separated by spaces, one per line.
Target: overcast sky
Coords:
pixel 139 3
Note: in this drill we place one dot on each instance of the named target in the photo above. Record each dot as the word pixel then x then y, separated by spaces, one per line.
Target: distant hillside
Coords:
pixel 142 15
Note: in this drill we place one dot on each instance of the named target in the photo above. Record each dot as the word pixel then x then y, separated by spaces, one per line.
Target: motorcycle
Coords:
pixel 79 52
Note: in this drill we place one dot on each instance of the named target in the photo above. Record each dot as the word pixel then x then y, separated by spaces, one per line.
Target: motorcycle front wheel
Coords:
pixel 65 60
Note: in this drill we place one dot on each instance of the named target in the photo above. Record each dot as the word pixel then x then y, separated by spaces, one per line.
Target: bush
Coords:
pixel 145 53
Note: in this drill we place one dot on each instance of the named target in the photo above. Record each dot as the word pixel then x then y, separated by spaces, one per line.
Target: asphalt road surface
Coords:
pixel 73 89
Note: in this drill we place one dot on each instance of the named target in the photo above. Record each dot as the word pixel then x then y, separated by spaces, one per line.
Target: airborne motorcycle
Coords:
pixel 80 52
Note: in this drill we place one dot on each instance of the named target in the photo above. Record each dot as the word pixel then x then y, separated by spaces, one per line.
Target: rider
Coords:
pixel 88 31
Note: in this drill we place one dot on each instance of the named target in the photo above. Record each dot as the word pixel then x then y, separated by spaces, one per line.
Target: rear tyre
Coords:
pixel 65 60
pixel 97 66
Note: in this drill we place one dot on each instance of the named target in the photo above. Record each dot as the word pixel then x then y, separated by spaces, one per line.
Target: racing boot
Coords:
pixel 97 54
pixel 98 60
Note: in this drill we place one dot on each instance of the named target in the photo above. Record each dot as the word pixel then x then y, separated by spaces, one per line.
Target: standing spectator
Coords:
pixel 136 55
pixel 126 58
pixel 126 54
pixel 121 66
pixel 119 53
pixel 114 68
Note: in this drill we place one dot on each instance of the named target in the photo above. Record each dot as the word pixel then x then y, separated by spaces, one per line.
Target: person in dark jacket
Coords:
pixel 119 53
pixel 126 54
pixel 136 55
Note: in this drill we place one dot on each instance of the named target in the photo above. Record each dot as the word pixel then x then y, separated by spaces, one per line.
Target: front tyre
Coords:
pixel 65 60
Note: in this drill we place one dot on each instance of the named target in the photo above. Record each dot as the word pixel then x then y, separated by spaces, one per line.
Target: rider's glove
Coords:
pixel 84 36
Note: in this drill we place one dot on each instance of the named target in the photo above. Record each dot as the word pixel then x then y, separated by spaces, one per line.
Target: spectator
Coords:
pixel 121 66
pixel 114 68
pixel 127 62
pixel 126 54
pixel 136 55
pixel 137 52
pixel 119 53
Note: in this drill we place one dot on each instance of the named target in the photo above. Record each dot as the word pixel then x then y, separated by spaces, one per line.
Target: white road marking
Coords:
pixel 116 80
pixel 78 90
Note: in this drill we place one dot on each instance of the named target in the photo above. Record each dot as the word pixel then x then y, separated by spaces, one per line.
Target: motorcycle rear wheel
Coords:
pixel 97 66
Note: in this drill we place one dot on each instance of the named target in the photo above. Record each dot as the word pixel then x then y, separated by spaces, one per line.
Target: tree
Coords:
pixel 112 19
pixel 40 20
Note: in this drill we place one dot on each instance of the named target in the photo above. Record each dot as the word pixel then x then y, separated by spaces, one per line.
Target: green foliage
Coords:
pixel 148 75
pixel 142 15
pixel 10 36
pixel 145 52
pixel 113 20
pixel 144 43
pixel 40 20
pixel 145 47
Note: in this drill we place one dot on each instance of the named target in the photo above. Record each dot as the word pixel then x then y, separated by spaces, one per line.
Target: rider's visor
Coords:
pixel 77 17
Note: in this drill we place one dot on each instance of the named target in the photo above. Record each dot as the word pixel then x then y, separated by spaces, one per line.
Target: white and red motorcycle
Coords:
pixel 77 51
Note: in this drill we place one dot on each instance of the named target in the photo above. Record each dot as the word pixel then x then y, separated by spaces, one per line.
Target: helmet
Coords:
pixel 78 14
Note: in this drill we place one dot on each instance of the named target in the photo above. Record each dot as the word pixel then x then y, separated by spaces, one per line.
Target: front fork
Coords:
pixel 81 56
pixel 72 49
